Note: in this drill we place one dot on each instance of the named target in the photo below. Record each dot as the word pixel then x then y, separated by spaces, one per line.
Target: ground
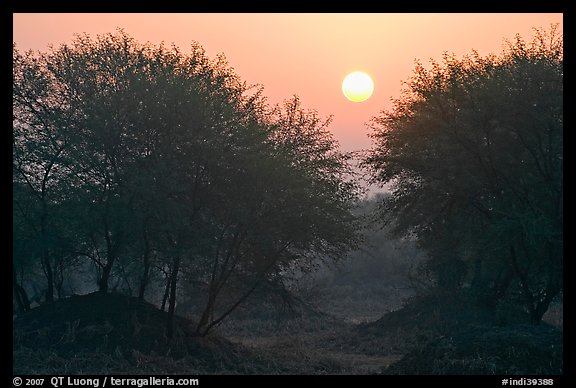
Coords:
pixel 111 334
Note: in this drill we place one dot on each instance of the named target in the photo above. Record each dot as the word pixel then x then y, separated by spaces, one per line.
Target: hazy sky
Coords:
pixel 305 54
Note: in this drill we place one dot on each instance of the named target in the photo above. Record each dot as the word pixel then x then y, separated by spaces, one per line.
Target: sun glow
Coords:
pixel 357 86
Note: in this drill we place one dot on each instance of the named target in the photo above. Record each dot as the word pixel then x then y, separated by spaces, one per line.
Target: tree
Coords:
pixel 40 145
pixel 285 202
pixel 474 152
pixel 171 162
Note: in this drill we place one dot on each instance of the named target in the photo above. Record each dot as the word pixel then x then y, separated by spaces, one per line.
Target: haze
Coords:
pixel 305 54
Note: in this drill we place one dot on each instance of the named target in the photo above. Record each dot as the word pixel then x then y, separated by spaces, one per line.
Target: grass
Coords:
pixel 481 350
pixel 111 333
pixel 115 334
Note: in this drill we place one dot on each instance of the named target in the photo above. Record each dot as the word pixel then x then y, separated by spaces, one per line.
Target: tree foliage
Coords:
pixel 142 158
pixel 474 150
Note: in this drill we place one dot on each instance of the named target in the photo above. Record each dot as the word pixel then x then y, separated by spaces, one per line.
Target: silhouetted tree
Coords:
pixel 284 201
pixel 171 162
pixel 40 148
pixel 474 150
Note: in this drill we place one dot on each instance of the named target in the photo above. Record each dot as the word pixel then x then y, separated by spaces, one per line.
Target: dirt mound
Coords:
pixel 448 334
pixel 106 333
pixel 420 320
pixel 481 350
pixel 438 312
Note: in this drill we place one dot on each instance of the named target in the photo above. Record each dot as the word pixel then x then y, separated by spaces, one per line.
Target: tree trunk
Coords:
pixel 59 277
pixel 525 290
pixel 552 290
pixel 20 294
pixel 49 275
pixel 172 302
pixel 112 251
pixel 211 323
pixel 45 254
pixel 202 331
pixel 554 282
pixel 144 280
pixel 105 277
pixel 538 312
pixel 166 294
pixel 208 312
pixel 146 262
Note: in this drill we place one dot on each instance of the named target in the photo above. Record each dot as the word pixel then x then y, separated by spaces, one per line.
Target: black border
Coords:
pixel 486 6
pixel 428 6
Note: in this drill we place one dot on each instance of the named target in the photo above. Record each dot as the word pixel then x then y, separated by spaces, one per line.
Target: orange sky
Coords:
pixel 305 54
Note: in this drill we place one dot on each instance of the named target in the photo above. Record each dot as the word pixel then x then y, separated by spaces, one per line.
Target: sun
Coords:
pixel 357 86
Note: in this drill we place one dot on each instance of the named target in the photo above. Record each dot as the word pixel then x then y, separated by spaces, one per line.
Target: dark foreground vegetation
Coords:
pixel 166 219
pixel 111 333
